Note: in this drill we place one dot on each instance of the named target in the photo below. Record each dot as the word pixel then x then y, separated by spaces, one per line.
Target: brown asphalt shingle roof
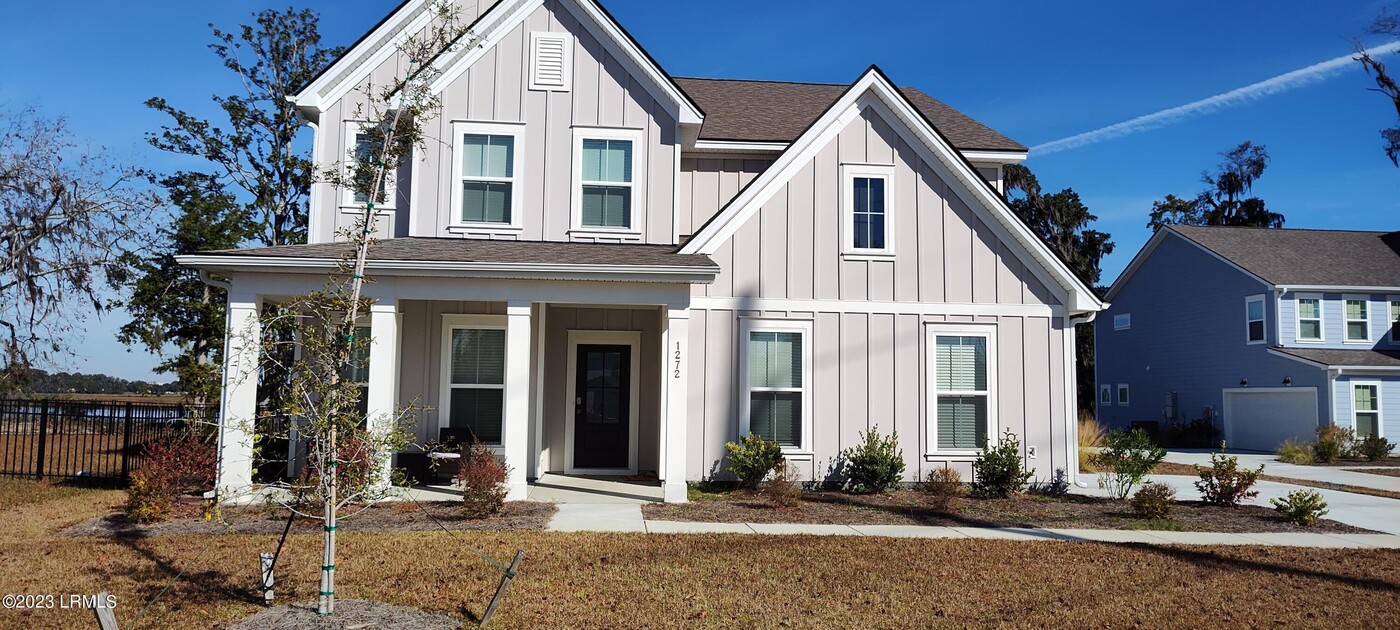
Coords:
pixel 1346 358
pixel 1306 257
pixel 429 250
pixel 775 111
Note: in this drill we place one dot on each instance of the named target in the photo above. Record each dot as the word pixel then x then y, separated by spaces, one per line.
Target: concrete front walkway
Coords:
pixel 1272 466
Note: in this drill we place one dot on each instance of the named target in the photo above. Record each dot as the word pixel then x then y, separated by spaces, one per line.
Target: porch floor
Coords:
pixel 558 488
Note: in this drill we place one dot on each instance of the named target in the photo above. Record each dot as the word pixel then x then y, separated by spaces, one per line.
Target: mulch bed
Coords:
pixel 349 613
pixel 1385 462
pixel 395 516
pixel 1389 472
pixel 908 507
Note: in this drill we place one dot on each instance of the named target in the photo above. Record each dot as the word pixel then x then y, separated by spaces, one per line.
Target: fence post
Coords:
pixel 43 434
pixel 126 444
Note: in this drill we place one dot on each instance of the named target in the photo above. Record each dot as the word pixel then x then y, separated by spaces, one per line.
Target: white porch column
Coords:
pixel 675 411
pixel 515 426
pixel 239 403
pixel 382 398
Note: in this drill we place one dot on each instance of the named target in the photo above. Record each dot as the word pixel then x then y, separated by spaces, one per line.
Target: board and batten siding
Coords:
pixel 708 183
pixel 495 89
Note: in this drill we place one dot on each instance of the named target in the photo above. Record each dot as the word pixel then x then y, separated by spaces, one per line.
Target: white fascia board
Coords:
pixel 935 151
pixel 628 273
pixel 1335 288
pixel 490 31
pixel 740 146
pixel 359 62
pixel 1000 157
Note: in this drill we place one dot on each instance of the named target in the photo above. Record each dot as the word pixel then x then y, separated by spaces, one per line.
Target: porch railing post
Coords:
pixel 43 438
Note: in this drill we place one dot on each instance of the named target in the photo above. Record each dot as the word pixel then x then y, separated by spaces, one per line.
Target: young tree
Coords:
pixel 1387 23
pixel 1226 199
pixel 66 217
pixel 1062 220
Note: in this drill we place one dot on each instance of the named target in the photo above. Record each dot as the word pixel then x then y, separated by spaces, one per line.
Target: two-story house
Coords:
pixel 1270 332
pixel 602 269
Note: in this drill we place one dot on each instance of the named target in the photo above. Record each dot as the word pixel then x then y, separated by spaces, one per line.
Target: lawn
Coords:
pixel 647 580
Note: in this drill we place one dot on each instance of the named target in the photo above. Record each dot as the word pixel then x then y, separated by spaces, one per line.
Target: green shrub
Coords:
pixel 782 488
pixel 1154 500
pixel 1293 452
pixel 998 472
pixel 149 496
pixel 876 464
pixel 1374 447
pixel 1225 483
pixel 942 486
pixel 1126 457
pixel 752 458
pixel 482 477
pixel 1304 507
pixel 1332 442
pixel 1056 486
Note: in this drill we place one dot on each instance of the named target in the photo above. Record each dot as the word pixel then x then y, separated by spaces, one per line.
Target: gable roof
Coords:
pixel 1293 257
pixel 777 111
pixel 933 147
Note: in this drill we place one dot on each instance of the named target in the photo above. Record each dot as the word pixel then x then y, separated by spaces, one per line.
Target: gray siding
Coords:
pixel 1188 336
pixel 708 183
pixel 420 366
pixel 1389 403
pixel 1333 326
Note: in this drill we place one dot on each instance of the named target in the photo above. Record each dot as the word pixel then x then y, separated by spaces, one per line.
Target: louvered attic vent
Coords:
pixel 549 61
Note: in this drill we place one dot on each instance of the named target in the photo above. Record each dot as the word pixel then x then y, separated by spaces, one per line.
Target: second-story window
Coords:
pixel 607 183
pixel 1357 324
pixel 866 209
pixel 488 178
pixel 358 150
pixel 1395 321
pixel 1254 316
pixel 1310 319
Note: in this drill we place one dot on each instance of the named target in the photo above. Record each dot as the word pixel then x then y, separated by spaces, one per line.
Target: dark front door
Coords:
pixel 602 390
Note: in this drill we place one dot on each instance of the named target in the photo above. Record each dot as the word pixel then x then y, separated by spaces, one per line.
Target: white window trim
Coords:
pixel 1106 395
pixel 931 333
pixel 1364 299
pixel 849 173
pixel 576 226
pixel 1392 319
pixel 1380 405
pixel 1298 318
pixel 1263 319
pixel 1123 321
pixel 350 131
pixel 464 322
pixel 567 40
pixel 1121 397
pixel 603 337
pixel 803 327
pixel 460 128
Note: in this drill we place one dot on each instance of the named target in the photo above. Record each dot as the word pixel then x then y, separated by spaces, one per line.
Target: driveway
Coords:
pixel 1279 469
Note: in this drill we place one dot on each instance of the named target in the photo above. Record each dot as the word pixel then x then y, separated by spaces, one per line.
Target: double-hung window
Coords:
pixel 359 149
pixel 1366 408
pixel 776 373
pixel 1310 318
pixel 1105 395
pixel 474 370
pixel 1254 319
pixel 357 371
pixel 866 209
pixel 1395 320
pixel 962 382
pixel 605 183
pixel 1355 313
pixel 487 158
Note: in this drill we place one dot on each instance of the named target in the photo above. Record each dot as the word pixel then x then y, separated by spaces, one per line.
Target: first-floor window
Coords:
pixel 1105 394
pixel 775 386
pixel 1122 393
pixel 357 371
pixel 476 381
pixel 1366 409
pixel 962 390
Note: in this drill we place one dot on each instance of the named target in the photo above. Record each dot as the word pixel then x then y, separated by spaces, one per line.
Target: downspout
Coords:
pixel 1072 401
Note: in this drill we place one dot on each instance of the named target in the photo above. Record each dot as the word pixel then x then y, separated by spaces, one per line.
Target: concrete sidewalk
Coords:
pixel 1277 468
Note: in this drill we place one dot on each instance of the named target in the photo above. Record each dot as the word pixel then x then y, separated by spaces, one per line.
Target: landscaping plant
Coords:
pixel 1294 452
pixel 1125 459
pixel 149 497
pixel 1091 435
pixel 1332 442
pixel 1057 486
pixel 1374 447
pixel 173 467
pixel 942 486
pixel 752 458
pixel 783 488
pixel 876 464
pixel 998 471
pixel 1225 483
pixel 1304 507
pixel 482 477
pixel 1154 500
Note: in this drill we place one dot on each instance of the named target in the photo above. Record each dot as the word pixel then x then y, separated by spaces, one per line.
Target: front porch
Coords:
pixel 560 488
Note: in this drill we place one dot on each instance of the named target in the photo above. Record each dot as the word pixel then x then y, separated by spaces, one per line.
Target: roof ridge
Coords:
pixel 1282 229
pixel 785 82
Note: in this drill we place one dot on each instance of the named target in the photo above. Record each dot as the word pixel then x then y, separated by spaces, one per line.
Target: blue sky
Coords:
pixel 1036 71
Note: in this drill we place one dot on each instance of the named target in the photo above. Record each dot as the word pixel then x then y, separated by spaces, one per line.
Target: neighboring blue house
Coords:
pixel 1270 333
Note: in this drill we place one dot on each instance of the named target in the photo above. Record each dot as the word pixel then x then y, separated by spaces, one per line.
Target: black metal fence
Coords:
pixel 98 442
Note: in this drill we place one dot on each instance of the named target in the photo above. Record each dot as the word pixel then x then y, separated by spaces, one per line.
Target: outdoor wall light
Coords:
pixel 1287 381
pixel 1244 382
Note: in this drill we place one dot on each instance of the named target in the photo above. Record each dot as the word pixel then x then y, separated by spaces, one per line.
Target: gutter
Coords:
pixel 208 278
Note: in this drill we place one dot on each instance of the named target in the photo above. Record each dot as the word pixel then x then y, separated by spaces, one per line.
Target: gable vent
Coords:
pixel 549 61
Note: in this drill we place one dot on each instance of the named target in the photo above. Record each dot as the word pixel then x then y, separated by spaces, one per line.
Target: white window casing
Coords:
pixel 1394 318
pixel 1366 408
pixel 1308 307
pixel 948 377
pixel 1123 321
pixel 801 385
pixel 629 178
pixel 350 136
pixel 1356 319
pixel 852 211
pixel 487 377
pixel 506 177
pixel 551 61
pixel 1123 398
pixel 1105 395
pixel 1256 331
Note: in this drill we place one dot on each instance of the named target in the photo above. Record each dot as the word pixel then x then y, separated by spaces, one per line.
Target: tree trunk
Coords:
pixel 329 472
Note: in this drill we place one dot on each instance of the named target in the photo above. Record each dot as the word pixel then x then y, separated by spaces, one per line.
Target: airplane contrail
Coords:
pixel 1254 91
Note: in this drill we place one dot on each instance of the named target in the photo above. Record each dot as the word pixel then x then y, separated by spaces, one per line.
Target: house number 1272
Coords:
pixel 678 360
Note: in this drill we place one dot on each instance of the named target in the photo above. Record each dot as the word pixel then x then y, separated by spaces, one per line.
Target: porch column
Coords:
pixel 515 425
pixel 382 398
pixel 239 403
pixel 673 424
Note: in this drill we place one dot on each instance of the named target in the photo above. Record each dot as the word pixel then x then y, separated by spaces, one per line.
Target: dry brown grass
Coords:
pixel 1170 468
pixel 640 580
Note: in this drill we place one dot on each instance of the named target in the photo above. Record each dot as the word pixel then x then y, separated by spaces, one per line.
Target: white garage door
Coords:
pixel 1261 419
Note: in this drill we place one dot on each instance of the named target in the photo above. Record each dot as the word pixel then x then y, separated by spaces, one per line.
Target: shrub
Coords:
pixel 1225 483
pixel 1091 435
pixel 1293 452
pixel 1304 507
pixel 1374 447
pixel 1154 500
pixel 752 458
pixel 173 467
pixel 1127 457
pixel 876 464
pixel 997 473
pixel 782 488
pixel 1332 442
pixel 1057 486
pixel 482 477
pixel 943 485
pixel 149 497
